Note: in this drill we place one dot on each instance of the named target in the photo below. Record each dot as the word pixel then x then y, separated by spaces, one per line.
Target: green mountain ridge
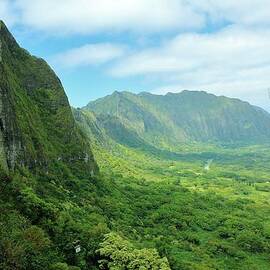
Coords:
pixel 189 116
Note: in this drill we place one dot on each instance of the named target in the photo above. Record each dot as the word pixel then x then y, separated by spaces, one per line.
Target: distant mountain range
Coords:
pixel 185 117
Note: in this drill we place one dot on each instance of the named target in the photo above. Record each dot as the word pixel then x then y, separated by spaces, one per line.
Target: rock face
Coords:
pixel 10 139
pixel 37 127
pixel 189 116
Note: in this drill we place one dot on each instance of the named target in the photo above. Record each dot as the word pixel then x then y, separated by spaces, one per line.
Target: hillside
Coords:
pixel 189 116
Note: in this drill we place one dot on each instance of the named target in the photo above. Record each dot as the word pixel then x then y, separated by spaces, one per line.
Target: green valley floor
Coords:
pixel 205 207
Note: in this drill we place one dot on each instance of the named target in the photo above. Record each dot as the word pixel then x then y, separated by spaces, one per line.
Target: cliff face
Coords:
pixel 10 138
pixel 36 123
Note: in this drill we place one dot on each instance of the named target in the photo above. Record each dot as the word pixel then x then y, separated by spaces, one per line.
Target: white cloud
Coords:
pixel 234 61
pixel 90 54
pixel 230 49
pixel 244 12
pixel 88 16
pixel 91 16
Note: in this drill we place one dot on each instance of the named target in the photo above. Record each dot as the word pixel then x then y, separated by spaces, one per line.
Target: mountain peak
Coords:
pixel 4 29
pixel 2 24
pixel 122 93
pixel 6 38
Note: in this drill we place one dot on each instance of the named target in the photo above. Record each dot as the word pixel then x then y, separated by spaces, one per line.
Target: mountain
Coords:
pixel 37 128
pixel 189 116
pixel 48 175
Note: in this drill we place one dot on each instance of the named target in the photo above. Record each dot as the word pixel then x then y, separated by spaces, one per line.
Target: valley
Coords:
pixel 199 219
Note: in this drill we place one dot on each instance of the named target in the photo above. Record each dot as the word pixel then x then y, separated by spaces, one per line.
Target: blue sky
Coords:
pixel 99 46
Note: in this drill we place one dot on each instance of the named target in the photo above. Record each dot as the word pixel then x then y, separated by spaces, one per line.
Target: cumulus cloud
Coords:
pixel 90 54
pixel 229 49
pixel 90 16
pixel 244 12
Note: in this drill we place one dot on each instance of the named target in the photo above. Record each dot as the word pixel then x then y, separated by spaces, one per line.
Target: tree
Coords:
pixel 118 253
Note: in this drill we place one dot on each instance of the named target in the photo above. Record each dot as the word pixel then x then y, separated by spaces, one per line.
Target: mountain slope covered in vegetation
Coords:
pixel 189 116
pixel 202 203
pixel 37 126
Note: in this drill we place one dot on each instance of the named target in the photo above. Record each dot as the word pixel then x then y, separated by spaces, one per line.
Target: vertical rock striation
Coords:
pixel 10 139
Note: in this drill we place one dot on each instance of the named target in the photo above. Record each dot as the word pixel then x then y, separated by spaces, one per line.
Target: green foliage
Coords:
pixel 39 130
pixel 23 246
pixel 59 266
pixel 119 253
pixel 252 242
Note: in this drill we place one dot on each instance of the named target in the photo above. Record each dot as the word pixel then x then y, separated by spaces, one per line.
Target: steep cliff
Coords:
pixel 48 176
pixel 37 127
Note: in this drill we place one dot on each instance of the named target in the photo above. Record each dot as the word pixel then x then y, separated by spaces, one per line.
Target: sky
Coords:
pixel 159 46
